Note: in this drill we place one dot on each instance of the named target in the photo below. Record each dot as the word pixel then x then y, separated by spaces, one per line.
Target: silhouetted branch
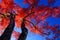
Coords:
pixel 31 23
pixel 28 15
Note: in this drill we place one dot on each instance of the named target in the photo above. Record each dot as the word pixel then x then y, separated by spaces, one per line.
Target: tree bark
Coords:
pixel 24 33
pixel 8 31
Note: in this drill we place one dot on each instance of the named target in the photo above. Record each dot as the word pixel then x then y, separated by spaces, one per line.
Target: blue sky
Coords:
pixel 51 20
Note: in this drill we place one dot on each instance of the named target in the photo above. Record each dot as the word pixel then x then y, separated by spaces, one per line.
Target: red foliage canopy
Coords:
pixel 38 14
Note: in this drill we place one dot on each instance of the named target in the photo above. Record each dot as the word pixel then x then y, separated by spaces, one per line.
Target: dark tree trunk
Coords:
pixel 24 33
pixel 8 31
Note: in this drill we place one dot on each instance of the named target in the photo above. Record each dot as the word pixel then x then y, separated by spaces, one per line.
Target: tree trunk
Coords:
pixel 8 31
pixel 24 33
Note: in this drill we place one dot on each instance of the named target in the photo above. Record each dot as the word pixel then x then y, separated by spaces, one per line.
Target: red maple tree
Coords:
pixel 38 13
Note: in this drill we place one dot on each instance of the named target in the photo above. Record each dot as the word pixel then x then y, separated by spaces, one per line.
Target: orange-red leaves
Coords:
pixel 18 21
pixel 3 24
pixel 8 3
pixel 31 2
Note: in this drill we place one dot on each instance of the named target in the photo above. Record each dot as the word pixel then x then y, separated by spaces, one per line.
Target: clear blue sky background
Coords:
pixel 51 20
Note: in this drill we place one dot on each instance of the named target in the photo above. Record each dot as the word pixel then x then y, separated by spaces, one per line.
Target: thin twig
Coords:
pixel 31 23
